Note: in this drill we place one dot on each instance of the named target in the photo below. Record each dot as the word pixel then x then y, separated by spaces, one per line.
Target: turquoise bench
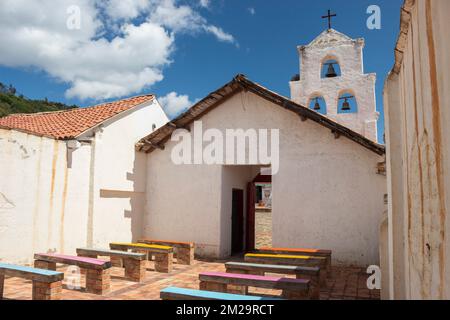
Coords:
pixel 47 284
pixel 175 293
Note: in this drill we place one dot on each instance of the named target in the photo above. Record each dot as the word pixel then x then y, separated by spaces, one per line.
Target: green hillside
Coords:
pixel 11 102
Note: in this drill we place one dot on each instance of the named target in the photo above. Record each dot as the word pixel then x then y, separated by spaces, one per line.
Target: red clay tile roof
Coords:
pixel 69 124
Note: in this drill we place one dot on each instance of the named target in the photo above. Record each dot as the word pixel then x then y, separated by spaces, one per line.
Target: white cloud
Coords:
pixel 252 11
pixel 125 9
pixel 205 3
pixel 177 18
pixel 110 55
pixel 184 19
pixel 174 104
pixel 220 34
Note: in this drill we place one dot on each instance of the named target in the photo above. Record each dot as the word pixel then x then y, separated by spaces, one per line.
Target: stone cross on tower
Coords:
pixel 329 16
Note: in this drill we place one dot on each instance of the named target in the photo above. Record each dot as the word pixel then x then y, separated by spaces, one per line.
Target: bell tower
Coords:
pixel 332 82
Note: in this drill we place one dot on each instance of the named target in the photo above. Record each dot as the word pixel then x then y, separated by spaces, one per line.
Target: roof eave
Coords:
pixel 93 129
pixel 157 139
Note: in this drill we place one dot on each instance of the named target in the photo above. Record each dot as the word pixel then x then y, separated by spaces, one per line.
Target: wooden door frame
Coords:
pixel 250 221
pixel 240 221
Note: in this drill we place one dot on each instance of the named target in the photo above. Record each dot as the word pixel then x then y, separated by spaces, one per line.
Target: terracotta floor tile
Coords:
pixel 344 283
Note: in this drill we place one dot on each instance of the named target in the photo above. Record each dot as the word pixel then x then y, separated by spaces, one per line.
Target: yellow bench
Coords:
pixel 298 251
pixel 163 254
pixel 184 251
pixel 285 259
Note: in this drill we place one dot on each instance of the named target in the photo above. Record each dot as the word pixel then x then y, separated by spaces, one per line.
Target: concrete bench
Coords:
pixel 163 254
pixel 290 260
pixel 134 263
pixel 183 251
pixel 98 279
pixel 219 281
pixel 310 273
pixel 175 293
pixel 299 251
pixel 47 284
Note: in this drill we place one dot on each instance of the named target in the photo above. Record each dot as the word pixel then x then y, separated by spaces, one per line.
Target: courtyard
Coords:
pixel 345 283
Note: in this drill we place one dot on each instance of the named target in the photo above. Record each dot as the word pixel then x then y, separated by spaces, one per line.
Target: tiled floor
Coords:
pixel 344 283
pixel 263 229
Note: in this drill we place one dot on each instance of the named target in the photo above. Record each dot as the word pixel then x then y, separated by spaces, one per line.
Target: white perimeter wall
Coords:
pixel 43 205
pixel 326 193
pixel 46 205
pixel 417 102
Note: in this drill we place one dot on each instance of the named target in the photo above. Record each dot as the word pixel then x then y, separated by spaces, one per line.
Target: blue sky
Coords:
pixel 255 37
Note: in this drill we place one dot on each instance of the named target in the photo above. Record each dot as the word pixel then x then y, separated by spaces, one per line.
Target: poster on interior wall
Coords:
pixel 267 196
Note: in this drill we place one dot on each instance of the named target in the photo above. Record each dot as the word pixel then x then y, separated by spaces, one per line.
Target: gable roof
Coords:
pixel 240 83
pixel 69 124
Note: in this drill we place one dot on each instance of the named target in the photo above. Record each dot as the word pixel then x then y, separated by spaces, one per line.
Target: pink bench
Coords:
pixel 220 282
pixel 97 271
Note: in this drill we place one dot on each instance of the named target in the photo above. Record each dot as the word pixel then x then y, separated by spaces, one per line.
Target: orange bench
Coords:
pixel 299 251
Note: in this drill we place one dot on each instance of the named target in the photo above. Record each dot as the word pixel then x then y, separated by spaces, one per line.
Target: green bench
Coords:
pixel 47 284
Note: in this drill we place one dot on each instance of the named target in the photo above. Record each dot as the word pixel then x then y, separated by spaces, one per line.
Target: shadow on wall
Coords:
pixel 136 199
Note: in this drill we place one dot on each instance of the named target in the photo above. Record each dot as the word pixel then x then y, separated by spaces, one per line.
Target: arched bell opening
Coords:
pixel 330 69
pixel 347 103
pixel 318 104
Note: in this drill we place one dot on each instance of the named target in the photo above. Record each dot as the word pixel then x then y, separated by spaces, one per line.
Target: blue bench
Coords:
pixel 175 293
pixel 47 284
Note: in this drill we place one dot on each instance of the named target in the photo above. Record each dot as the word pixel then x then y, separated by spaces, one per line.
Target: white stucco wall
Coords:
pixel 417 103
pixel 52 202
pixel 120 173
pixel 326 193
pixel 332 45
pixel 43 205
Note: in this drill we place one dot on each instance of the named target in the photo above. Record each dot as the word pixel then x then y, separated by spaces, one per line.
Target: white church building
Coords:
pixel 108 183
pixel 327 192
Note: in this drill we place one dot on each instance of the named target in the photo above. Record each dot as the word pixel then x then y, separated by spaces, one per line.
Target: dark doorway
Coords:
pixel 237 221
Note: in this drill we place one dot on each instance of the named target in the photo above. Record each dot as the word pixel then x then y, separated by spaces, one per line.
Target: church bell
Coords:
pixel 331 73
pixel 345 105
pixel 317 105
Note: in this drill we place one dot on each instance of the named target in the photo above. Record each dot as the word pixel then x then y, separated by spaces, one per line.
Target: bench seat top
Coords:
pixel 141 246
pixel 107 252
pixel 272 267
pixel 284 256
pixel 73 260
pixel 293 250
pixel 30 273
pixel 168 243
pixel 182 294
pixel 253 277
